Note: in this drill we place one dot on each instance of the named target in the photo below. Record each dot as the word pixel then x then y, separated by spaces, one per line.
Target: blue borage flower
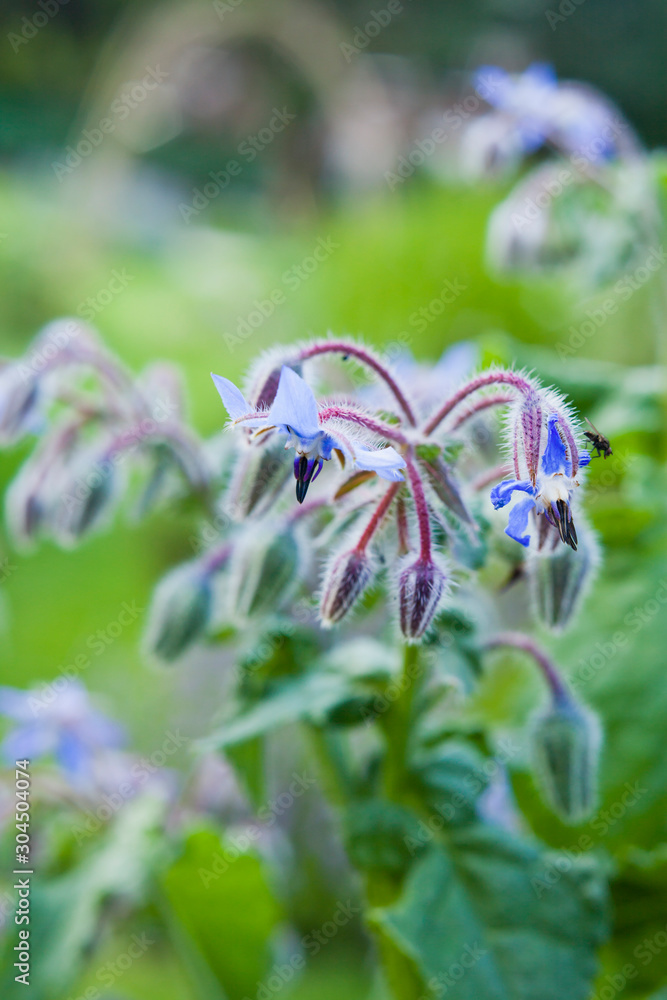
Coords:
pixel 294 413
pixel 550 494
pixel 541 110
pixel 64 725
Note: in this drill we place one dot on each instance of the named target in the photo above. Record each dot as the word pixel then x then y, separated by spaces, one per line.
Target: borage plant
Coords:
pixel 369 608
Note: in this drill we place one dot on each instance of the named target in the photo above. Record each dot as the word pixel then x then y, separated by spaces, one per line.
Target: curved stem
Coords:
pixel 377 517
pixel 421 507
pixel 362 420
pixel 479 382
pixel 517 640
pixel 499 399
pixel 498 472
pixel 343 347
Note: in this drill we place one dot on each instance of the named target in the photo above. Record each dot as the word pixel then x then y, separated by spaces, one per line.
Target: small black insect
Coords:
pixel 599 442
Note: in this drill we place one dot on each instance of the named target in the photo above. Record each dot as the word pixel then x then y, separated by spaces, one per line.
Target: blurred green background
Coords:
pixel 188 285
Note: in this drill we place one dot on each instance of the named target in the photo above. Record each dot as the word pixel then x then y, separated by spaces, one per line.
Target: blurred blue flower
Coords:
pixel 551 494
pixel 62 724
pixel 569 115
pixel 294 413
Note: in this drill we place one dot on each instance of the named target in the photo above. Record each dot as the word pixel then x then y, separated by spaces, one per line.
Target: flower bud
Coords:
pixel 565 746
pixel 180 611
pixel 420 589
pixel 19 400
pixel 90 487
pixel 265 569
pixel 264 475
pixel 345 582
pixel 560 581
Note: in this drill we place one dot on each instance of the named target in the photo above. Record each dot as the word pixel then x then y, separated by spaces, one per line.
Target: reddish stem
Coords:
pixel 517 640
pixel 377 517
pixel 342 347
pixel 479 382
pixel 354 417
pixel 402 525
pixel 498 472
pixel 421 508
pixel 482 404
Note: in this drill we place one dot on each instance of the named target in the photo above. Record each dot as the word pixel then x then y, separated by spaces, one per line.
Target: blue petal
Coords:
pixel 73 755
pixel 541 76
pixel 232 397
pixel 295 406
pixel 518 521
pixel 502 493
pixel 29 742
pixel 554 458
pixel 491 83
pixel 14 703
pixel 385 461
pixel 584 458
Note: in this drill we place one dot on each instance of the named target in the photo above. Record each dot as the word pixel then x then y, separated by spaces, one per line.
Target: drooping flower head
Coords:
pixel 295 415
pixel 549 487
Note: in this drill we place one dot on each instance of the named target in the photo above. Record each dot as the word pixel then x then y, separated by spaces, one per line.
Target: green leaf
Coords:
pixel 637 951
pixel 476 922
pixel 450 780
pixel 65 911
pixel 221 898
pixel 310 696
pixel 379 835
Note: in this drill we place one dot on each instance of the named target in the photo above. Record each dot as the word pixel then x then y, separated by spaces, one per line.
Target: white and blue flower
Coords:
pixel 549 494
pixel 294 413
pixel 60 724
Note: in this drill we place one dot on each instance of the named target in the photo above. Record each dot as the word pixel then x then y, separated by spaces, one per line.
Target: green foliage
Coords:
pixel 221 897
pixel 471 921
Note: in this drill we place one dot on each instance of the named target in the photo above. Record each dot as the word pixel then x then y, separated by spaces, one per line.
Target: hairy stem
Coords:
pixel 479 382
pixel 369 359
pixel 517 640
pixel 377 517
pixel 421 508
pixel 362 420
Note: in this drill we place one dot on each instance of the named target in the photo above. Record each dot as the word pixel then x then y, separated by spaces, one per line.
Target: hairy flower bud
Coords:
pixel 19 399
pixel 345 582
pixel 560 581
pixel 91 485
pixel 421 587
pixel 565 746
pixel 265 568
pixel 180 611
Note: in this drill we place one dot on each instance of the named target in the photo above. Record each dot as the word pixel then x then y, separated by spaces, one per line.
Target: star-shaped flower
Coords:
pixel 550 494
pixel 294 413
